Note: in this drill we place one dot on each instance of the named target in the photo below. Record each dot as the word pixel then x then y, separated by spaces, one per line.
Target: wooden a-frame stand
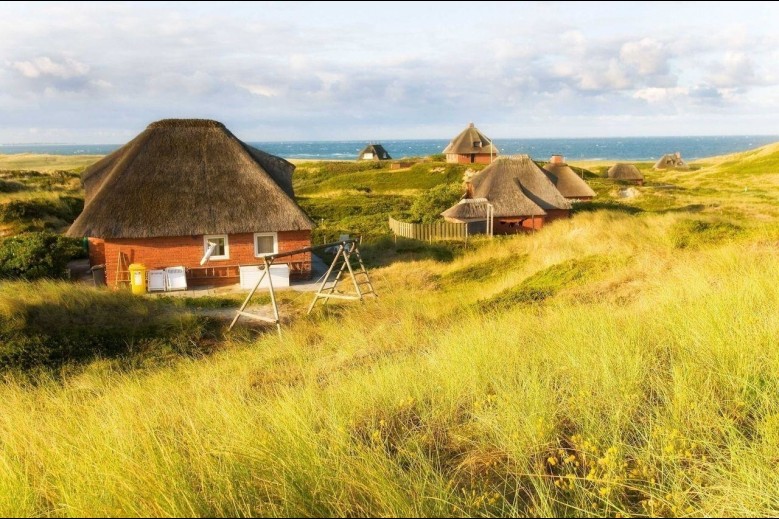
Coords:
pixel 327 288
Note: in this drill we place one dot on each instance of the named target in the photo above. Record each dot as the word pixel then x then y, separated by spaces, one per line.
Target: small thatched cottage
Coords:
pixel 626 173
pixel 567 182
pixel 374 152
pixel 182 184
pixel 521 194
pixel 671 161
pixel 471 146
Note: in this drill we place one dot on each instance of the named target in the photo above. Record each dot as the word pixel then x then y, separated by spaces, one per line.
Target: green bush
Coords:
pixel 428 207
pixel 65 208
pixel 48 324
pixel 37 255
pixel 11 186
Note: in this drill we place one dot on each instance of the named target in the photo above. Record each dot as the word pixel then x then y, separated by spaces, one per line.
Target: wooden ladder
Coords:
pixel 342 258
pixel 122 272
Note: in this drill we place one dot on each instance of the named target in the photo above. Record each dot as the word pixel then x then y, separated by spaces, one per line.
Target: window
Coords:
pixel 222 250
pixel 265 243
pixel 367 155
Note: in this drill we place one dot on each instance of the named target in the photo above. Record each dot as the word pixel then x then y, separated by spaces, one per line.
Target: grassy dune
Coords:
pixel 47 163
pixel 618 363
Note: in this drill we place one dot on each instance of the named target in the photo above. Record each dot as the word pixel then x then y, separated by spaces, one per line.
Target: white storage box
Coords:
pixel 156 281
pixel 175 278
pixel 251 273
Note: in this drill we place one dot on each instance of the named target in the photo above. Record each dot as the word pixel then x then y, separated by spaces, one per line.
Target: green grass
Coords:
pixel 642 383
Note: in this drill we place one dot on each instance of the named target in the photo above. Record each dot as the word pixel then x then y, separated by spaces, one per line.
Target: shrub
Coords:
pixel 10 186
pixel 428 207
pixel 37 255
pixel 51 324
pixel 66 208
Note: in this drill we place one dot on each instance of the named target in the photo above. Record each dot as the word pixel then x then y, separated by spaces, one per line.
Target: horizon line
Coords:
pixel 376 141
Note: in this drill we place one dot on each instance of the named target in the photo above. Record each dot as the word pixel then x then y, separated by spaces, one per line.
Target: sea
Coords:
pixel 607 148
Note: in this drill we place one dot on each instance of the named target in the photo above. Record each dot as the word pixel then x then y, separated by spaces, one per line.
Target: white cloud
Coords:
pixel 305 69
pixel 647 56
pixel 660 94
pixel 66 68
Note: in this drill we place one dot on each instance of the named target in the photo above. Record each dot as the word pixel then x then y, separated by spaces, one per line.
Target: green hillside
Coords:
pixel 620 363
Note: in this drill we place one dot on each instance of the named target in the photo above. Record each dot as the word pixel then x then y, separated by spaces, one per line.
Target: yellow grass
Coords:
pixel 644 386
pixel 42 162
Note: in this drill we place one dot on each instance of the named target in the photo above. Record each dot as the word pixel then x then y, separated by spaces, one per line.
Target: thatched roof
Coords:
pixel 671 161
pixel 567 182
pixel 469 141
pixel 378 151
pixel 183 177
pixel 515 186
pixel 622 171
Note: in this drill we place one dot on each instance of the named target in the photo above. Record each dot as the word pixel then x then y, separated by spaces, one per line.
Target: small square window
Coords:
pixel 222 249
pixel 265 243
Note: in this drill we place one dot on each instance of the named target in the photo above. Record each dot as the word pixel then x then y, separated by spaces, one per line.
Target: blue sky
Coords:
pixel 86 73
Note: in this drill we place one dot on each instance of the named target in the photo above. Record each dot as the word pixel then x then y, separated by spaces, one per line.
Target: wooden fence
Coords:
pixel 430 231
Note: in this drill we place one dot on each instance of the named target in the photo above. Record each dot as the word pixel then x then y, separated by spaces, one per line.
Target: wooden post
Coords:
pixel 272 294
pixel 246 301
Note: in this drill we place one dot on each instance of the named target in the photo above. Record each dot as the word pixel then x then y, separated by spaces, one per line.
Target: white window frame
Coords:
pixel 226 255
pixel 275 243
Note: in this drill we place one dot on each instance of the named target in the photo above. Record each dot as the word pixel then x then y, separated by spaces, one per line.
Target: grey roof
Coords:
pixel 622 171
pixel 183 177
pixel 671 161
pixel 379 153
pixel 515 186
pixel 568 182
pixel 469 141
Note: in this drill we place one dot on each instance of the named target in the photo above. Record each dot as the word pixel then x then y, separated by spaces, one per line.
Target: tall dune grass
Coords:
pixel 646 388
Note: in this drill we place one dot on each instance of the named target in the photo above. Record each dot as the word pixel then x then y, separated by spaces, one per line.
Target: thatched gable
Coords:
pixel 183 177
pixel 469 141
pixel 623 171
pixel 671 161
pixel 566 180
pixel 375 151
pixel 515 186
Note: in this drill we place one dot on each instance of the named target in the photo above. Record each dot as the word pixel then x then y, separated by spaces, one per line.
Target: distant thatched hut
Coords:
pixel 182 184
pixel 671 161
pixel 471 146
pixel 374 152
pixel 626 173
pixel 570 185
pixel 522 196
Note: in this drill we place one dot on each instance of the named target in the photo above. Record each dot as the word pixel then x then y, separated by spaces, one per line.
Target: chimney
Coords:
pixel 557 159
pixel 470 125
pixel 678 155
pixel 468 189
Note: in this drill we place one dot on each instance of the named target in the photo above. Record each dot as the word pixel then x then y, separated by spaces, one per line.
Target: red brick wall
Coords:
pixel 156 253
pixel 478 158
pixel 557 214
pixel 517 225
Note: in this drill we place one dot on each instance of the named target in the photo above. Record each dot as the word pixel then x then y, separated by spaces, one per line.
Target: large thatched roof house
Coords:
pixel 471 146
pixel 671 161
pixel 182 184
pixel 570 185
pixel 374 152
pixel 522 196
pixel 626 173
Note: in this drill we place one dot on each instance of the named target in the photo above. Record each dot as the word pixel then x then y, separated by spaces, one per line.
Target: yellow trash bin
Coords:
pixel 138 278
